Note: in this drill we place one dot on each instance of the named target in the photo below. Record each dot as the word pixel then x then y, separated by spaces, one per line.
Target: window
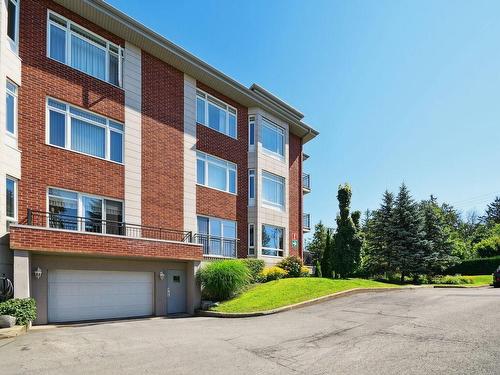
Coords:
pixel 11 199
pixel 251 132
pixel 216 173
pixel 273 190
pixel 251 187
pixel 85 132
pixel 74 211
pixel 251 239
pixel 217 236
pixel 273 138
pixel 215 114
pixel 13 22
pixel 81 49
pixel 11 108
pixel 272 240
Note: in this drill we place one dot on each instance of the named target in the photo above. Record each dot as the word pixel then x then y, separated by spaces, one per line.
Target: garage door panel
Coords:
pixel 86 295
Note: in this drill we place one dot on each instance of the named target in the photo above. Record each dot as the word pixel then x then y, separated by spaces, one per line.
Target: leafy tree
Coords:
pixel 407 235
pixel 327 259
pixel 492 215
pixel 317 245
pixel 348 239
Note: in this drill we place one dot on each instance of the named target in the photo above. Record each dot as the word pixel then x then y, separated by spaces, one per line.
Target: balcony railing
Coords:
pixel 306 182
pixel 214 246
pixel 307 222
pixel 96 225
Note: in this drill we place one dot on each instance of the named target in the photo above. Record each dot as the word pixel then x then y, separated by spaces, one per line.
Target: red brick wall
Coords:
pixel 219 204
pixel 295 187
pixel 43 165
pixel 54 241
pixel 162 144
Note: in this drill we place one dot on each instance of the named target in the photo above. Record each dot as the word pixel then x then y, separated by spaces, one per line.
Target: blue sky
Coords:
pixel 400 90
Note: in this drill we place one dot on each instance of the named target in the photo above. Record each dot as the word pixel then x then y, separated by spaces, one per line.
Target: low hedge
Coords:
pixel 479 266
pixel 255 266
pixel 24 309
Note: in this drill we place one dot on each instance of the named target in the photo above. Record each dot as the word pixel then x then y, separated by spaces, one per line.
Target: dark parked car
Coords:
pixel 496 278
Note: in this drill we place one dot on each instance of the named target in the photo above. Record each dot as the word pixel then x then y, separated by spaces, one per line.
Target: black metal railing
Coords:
pixel 217 246
pixel 307 221
pixel 306 181
pixel 96 225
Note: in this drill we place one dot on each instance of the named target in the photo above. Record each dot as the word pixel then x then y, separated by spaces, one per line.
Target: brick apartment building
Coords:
pixel 126 162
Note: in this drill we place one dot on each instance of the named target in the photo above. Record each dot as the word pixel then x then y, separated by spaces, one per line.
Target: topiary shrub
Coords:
pixel 255 266
pixel 291 265
pixel 24 309
pixel 489 247
pixel 221 280
pixel 272 273
pixel 317 269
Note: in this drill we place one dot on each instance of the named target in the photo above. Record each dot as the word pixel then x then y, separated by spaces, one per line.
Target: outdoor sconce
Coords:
pixel 38 273
pixel 162 275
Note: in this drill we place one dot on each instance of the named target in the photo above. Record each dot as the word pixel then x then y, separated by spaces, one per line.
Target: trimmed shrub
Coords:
pixel 479 266
pixel 272 273
pixel 255 266
pixel 489 247
pixel 304 271
pixel 452 280
pixel 24 309
pixel 317 269
pixel 291 265
pixel 221 280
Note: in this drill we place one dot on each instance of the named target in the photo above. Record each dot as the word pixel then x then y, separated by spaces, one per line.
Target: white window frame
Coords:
pixel 272 248
pixel 278 179
pixel 70 33
pixel 251 176
pixel 14 44
pixel 205 97
pixel 251 247
pixel 228 165
pixel 81 209
pixel 277 129
pixel 14 94
pixel 11 219
pixel 67 128
pixel 251 131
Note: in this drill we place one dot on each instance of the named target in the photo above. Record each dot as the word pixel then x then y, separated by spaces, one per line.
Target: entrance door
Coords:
pixel 176 291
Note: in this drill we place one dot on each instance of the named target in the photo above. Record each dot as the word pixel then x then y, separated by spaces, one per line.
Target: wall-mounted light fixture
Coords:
pixel 162 275
pixel 38 273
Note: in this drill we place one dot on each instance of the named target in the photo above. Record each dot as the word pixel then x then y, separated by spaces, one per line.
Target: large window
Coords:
pixel 11 108
pixel 272 240
pixel 13 23
pixel 217 236
pixel 82 131
pixel 273 138
pixel 11 199
pixel 273 190
pixel 75 211
pixel 215 114
pixel 251 187
pixel 81 49
pixel 216 173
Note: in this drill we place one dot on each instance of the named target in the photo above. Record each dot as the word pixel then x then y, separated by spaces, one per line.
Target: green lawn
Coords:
pixel 286 292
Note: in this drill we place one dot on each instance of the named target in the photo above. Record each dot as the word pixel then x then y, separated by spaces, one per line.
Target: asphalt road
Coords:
pixel 421 331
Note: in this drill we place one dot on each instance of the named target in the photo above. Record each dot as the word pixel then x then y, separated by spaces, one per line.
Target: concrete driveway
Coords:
pixel 422 331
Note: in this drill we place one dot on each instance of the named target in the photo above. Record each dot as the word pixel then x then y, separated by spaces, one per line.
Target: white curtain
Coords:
pixel 88 58
pixel 87 138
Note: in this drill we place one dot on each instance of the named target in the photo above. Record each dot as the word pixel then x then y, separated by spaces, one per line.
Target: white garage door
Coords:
pixel 86 295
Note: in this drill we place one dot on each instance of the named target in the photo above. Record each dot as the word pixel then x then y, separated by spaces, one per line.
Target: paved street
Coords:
pixel 422 331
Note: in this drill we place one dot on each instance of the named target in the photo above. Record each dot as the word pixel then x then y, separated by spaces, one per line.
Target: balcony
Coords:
pixel 306 223
pixel 56 233
pixel 306 183
pixel 217 247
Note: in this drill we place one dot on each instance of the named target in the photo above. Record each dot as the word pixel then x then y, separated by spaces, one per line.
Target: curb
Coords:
pixel 9 333
pixel 216 314
pixel 444 286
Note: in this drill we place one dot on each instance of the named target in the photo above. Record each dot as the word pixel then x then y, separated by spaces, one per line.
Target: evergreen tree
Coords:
pixel 379 253
pixel 348 240
pixel 317 245
pixel 439 249
pixel 327 259
pixel 408 241
pixel 492 215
